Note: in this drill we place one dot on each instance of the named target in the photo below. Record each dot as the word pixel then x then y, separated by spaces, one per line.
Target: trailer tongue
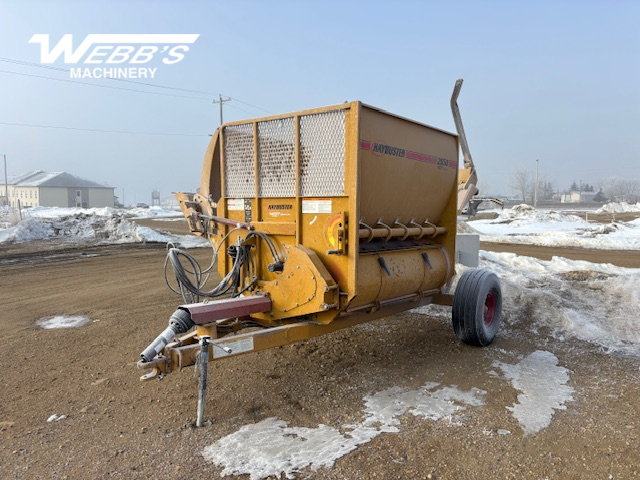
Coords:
pixel 325 219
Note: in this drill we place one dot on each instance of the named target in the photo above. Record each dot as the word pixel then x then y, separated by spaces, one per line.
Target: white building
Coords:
pixel 577 197
pixel 55 189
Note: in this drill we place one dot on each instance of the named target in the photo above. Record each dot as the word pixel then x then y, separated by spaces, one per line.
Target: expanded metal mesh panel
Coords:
pixel 322 145
pixel 239 174
pixel 276 158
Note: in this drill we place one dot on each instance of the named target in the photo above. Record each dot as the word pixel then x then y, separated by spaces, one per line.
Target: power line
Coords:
pixel 102 86
pixel 238 108
pixel 250 105
pixel 29 64
pixel 114 88
pixel 66 70
pixel 200 92
pixel 130 132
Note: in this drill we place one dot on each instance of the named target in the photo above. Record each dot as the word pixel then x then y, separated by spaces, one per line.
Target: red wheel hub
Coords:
pixel 490 304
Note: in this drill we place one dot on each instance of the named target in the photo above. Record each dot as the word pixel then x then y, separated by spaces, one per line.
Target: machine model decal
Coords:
pixel 379 149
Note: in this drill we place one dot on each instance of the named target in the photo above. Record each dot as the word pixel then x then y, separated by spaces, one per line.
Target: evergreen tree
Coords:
pixel 600 197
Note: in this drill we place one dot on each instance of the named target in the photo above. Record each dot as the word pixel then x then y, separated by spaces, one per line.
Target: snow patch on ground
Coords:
pixel 273 448
pixel 62 321
pixel 55 418
pixel 145 234
pixel 543 389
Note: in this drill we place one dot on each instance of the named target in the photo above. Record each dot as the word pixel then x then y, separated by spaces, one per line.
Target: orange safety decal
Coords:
pixel 332 224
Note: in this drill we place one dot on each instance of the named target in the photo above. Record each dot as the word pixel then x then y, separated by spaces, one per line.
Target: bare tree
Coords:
pixel 545 187
pixel 548 189
pixel 621 189
pixel 484 188
pixel 522 182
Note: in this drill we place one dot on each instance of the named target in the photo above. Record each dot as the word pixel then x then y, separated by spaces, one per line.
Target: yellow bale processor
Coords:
pixel 321 220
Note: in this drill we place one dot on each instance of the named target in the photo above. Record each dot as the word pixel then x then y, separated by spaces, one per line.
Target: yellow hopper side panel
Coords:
pixel 371 195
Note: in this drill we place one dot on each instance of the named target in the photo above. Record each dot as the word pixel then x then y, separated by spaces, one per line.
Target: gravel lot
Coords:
pixel 117 427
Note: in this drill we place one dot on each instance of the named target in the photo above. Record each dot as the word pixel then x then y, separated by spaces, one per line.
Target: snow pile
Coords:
pixel 271 448
pixel 603 229
pixel 11 216
pixel 619 208
pixel 58 212
pixel 154 212
pixel 101 225
pixel 138 212
pixel 464 227
pixel 79 227
pixel 26 231
pixel 566 299
pixel 543 387
pixel 524 224
pixel 594 302
pixel 524 214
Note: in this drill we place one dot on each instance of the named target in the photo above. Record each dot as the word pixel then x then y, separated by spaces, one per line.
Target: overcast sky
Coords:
pixel 554 81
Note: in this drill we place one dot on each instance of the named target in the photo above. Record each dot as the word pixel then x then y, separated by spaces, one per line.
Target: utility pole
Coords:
pixel 6 182
pixel 535 192
pixel 221 101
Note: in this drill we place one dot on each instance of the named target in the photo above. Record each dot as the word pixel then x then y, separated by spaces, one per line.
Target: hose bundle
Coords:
pixel 191 280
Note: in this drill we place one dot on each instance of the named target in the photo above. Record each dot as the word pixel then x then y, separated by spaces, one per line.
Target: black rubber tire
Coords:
pixel 477 307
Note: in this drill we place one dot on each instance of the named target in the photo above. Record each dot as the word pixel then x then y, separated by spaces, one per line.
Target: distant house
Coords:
pixel 577 197
pixel 56 189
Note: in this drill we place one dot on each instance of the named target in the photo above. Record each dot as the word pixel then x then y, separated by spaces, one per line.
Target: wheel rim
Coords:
pixel 490 304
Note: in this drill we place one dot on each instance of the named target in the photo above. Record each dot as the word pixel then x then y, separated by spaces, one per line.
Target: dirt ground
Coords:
pixel 118 427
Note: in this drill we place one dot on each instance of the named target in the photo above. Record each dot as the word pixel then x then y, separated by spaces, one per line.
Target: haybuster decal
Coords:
pixel 381 149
